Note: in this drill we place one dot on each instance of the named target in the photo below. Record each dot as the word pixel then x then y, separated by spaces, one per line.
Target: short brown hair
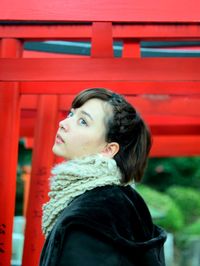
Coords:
pixel 127 128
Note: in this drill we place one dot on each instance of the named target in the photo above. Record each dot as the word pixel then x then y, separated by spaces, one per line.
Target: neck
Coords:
pixel 72 178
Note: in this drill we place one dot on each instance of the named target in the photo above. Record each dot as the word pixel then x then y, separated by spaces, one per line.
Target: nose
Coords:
pixel 63 124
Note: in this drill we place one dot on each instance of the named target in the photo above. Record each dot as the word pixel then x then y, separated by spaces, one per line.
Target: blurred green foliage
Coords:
pixel 179 179
pixel 24 155
pixel 189 234
pixel 19 194
pixel 192 229
pixel 162 173
pixel 188 200
pixel 171 217
pixel 24 158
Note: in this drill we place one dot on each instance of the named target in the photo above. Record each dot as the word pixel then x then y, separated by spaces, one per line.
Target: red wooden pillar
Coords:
pixel 46 125
pixel 102 40
pixel 131 49
pixel 26 180
pixel 61 116
pixel 9 134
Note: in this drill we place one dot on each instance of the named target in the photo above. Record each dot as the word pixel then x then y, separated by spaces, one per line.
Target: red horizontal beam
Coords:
pixel 154 105
pixel 102 10
pixel 47 32
pixel 157 31
pixel 169 120
pixel 152 120
pixel 160 125
pixel 173 146
pixel 84 32
pixel 168 146
pixel 176 106
pixel 162 105
pixel 38 54
pixel 179 130
pixel 27 127
pixel 177 136
pixel 117 69
pixel 191 88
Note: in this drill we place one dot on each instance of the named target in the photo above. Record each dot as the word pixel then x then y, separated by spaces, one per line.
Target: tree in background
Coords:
pixel 162 173
pixel 24 159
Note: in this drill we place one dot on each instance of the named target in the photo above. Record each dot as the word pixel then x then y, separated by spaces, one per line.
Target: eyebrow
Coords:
pixel 87 114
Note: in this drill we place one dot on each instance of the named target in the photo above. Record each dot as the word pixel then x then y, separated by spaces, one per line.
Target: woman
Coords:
pixel 94 217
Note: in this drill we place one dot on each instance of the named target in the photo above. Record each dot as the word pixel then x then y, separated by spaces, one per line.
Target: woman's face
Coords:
pixel 82 132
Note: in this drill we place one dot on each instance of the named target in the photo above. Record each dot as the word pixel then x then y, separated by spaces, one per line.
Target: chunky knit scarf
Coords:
pixel 71 179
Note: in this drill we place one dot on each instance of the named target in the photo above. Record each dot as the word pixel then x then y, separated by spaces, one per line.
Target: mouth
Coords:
pixel 59 139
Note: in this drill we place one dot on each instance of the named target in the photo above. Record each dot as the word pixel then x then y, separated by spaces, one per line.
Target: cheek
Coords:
pixel 78 140
pixel 87 140
pixel 82 141
pixel 93 141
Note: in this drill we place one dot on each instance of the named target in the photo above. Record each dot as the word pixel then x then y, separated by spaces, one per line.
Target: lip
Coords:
pixel 59 139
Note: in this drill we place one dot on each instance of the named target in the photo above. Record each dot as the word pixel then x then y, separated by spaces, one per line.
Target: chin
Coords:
pixel 58 152
pixel 55 150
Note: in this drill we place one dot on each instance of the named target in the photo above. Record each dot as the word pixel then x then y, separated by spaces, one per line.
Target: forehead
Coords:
pixel 96 108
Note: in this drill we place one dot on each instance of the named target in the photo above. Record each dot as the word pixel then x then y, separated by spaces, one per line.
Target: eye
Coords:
pixel 83 122
pixel 70 114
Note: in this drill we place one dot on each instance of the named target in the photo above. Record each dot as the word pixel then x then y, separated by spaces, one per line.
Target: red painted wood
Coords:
pixel 101 10
pixel 171 146
pixel 9 134
pixel 176 125
pixel 162 120
pixel 69 32
pixel 29 102
pixel 174 146
pixel 171 132
pixel 173 125
pixel 131 49
pixel 191 88
pixel 166 105
pixel 120 69
pixel 102 41
pixel 27 128
pixel 175 130
pixel 61 115
pixel 160 31
pixel 165 145
pixel 28 144
pixel 9 117
pixel 183 130
pixel 34 54
pixel 154 120
pixel 26 182
pixel 39 186
pixel 162 105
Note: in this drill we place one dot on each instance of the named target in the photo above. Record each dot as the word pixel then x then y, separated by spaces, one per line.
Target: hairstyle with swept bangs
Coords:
pixel 126 127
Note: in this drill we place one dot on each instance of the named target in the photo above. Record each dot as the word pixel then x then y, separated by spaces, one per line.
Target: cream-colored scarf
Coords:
pixel 71 179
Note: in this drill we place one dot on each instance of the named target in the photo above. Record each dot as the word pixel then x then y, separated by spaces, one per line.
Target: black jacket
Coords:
pixel 107 226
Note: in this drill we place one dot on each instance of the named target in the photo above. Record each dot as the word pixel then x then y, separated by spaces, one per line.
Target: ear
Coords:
pixel 110 149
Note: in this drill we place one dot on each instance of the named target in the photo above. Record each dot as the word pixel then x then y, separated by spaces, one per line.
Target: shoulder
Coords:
pixel 97 205
pixel 104 199
pixel 110 198
pixel 107 210
pixel 108 194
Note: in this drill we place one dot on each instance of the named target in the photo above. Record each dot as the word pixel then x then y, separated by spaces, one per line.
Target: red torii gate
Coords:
pixel 165 90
